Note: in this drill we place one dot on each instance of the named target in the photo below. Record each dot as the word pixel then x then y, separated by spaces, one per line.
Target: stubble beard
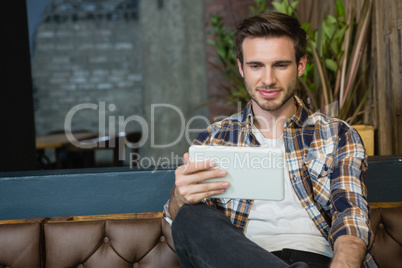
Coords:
pixel 271 105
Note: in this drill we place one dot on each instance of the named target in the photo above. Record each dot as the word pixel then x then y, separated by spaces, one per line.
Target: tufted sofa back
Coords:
pixel 20 243
pixel 138 240
pixel 387 226
pixel 141 240
pixel 121 240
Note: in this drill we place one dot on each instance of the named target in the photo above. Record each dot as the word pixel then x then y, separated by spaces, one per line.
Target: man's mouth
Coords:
pixel 269 93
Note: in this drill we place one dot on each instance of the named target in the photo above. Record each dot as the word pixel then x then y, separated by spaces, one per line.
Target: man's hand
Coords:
pixel 349 251
pixel 189 190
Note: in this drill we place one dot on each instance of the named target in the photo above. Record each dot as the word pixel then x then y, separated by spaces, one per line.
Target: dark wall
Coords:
pixel 17 128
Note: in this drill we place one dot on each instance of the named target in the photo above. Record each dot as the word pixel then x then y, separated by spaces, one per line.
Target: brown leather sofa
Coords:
pixel 113 241
pixel 141 240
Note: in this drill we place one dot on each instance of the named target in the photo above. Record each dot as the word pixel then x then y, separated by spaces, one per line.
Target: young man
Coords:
pixel 324 217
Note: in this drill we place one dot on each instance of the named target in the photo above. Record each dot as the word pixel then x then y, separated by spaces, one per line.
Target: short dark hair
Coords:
pixel 268 25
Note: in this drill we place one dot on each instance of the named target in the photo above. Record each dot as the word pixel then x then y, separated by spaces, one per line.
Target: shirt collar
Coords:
pixel 248 116
pixel 301 115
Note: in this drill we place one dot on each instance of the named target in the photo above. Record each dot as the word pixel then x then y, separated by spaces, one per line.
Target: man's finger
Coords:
pixel 193 167
pixel 210 187
pixel 186 158
pixel 204 189
pixel 196 198
pixel 194 178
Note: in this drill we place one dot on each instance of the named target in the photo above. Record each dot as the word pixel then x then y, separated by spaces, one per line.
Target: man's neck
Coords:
pixel 270 123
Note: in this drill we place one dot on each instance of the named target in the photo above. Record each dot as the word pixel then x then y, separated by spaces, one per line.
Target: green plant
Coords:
pixel 335 79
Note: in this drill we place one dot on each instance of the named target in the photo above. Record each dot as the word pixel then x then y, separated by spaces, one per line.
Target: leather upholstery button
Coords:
pixel 136 265
pixel 381 226
pixel 80 266
pixel 106 239
pixel 162 239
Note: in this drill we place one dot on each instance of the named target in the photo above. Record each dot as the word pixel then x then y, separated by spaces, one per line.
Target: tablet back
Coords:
pixel 253 172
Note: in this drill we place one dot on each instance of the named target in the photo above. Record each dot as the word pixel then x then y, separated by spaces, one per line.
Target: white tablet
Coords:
pixel 253 172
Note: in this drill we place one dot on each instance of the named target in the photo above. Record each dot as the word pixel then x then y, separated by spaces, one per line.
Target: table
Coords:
pixel 58 142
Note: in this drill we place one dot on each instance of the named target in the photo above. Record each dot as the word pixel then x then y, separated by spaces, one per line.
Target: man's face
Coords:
pixel 270 71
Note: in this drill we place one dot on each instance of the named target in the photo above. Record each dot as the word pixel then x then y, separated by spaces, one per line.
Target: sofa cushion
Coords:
pixel 139 242
pixel 386 224
pixel 20 243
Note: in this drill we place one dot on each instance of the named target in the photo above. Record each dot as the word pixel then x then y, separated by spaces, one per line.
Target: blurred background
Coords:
pixel 144 76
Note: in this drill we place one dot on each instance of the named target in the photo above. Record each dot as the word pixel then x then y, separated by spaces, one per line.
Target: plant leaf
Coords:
pixel 339 9
pixel 332 65
pixel 280 7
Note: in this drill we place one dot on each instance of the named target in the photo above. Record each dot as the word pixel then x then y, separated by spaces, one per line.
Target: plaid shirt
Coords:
pixel 327 164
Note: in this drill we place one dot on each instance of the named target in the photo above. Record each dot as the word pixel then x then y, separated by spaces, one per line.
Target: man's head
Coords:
pixel 271 52
pixel 269 25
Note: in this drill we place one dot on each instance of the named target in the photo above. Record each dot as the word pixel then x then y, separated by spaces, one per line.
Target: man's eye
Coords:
pixel 281 66
pixel 255 66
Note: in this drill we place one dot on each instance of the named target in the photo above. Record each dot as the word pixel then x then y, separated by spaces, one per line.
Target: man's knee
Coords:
pixel 198 218
pixel 186 226
pixel 188 217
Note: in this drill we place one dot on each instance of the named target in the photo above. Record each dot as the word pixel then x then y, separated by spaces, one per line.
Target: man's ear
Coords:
pixel 302 65
pixel 240 68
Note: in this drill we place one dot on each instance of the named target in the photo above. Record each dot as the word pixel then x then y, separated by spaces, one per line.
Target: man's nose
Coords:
pixel 269 77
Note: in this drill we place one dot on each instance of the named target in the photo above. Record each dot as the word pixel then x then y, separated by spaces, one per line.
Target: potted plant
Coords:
pixel 336 76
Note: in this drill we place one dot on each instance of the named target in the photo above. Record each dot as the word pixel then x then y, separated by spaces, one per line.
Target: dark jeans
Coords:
pixel 205 237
